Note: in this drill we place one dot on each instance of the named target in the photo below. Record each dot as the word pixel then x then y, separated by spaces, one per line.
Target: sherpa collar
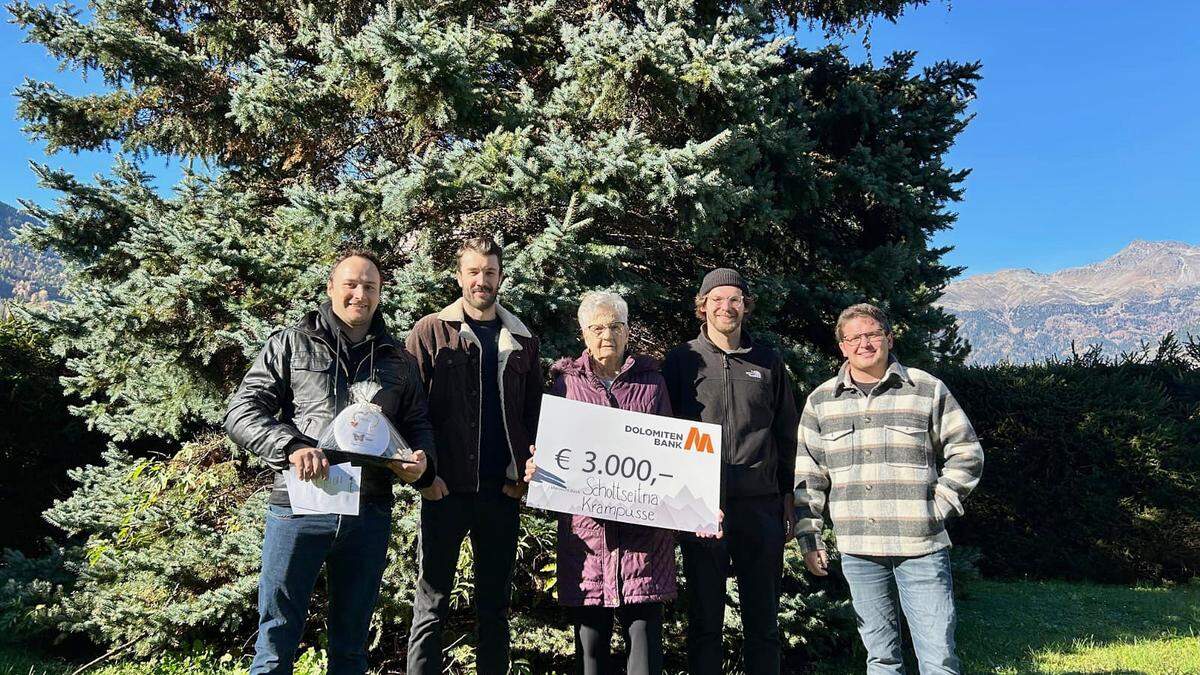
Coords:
pixel 454 312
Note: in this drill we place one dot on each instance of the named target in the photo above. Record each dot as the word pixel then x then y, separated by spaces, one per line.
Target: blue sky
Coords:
pixel 1087 129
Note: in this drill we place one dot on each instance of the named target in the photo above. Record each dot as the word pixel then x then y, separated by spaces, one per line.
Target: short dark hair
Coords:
pixel 862 310
pixel 484 246
pixel 356 252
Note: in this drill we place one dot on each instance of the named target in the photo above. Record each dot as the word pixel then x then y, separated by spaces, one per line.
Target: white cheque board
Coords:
pixel 632 467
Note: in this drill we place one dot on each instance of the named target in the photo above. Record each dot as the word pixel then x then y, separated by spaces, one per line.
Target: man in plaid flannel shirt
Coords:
pixel 871 443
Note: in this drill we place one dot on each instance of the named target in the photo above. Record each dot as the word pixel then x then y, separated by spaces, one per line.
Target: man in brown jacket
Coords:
pixel 479 365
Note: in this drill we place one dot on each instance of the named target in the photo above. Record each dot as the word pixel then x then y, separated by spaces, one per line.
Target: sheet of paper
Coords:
pixel 632 467
pixel 337 494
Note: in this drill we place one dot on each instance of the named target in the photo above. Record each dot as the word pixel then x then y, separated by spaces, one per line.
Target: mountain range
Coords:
pixel 25 274
pixel 1138 295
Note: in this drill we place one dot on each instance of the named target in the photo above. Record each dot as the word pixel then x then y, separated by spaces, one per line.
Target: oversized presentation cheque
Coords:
pixel 632 467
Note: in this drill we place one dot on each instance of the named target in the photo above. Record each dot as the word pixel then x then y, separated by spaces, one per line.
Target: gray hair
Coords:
pixel 594 301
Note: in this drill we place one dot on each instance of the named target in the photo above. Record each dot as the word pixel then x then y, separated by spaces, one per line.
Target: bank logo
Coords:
pixel 698 441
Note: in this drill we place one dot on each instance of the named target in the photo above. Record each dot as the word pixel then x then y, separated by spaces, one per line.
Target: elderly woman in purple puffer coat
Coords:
pixel 609 570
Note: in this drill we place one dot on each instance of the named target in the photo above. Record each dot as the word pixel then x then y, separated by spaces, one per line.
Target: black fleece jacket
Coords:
pixel 749 393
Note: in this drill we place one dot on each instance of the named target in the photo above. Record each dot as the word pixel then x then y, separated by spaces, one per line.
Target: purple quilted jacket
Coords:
pixel 603 562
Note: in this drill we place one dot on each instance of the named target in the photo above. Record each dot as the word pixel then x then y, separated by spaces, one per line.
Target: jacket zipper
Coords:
pixel 612 400
pixel 725 417
pixel 479 418
pixel 365 359
pixel 616 550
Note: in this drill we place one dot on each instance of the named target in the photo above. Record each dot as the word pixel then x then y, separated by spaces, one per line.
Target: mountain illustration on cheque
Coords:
pixel 683 510
pixel 542 493
pixel 541 475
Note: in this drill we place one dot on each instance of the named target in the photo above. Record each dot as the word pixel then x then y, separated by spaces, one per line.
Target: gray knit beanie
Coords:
pixel 723 276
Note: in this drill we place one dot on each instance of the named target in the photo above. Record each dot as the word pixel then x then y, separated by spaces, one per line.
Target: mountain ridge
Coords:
pixel 1137 295
pixel 26 275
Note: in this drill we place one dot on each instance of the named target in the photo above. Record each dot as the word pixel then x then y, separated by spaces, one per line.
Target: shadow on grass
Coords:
pixel 16 660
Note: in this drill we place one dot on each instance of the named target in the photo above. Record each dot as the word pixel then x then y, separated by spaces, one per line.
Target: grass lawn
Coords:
pixel 1056 627
pixel 1004 627
pixel 1012 627
pixel 17 662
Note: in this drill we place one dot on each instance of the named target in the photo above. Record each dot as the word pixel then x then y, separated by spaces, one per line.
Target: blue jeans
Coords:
pixel 925 592
pixel 354 552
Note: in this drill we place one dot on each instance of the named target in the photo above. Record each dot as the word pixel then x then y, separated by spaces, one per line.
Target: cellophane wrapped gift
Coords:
pixel 362 431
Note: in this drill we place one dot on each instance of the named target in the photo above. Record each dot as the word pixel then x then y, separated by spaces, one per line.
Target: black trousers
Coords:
pixel 752 549
pixel 642 623
pixel 492 520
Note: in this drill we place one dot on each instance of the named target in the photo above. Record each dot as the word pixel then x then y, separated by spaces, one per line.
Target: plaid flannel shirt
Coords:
pixel 874 459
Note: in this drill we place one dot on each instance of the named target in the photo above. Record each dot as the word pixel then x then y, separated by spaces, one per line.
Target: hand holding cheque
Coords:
pixel 626 466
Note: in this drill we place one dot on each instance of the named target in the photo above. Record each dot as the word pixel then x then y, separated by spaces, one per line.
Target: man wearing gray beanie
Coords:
pixel 725 377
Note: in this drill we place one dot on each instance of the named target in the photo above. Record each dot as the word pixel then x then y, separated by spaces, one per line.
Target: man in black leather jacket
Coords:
pixel 294 389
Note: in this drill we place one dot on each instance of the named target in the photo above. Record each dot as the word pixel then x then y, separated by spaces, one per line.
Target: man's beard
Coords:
pixel 726 324
pixel 363 319
pixel 480 303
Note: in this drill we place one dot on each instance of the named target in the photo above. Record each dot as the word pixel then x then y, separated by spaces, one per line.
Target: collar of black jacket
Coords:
pixel 323 323
pixel 747 342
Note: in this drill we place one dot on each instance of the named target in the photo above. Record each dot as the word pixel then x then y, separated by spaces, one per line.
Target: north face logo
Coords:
pixel 701 442
pixel 754 374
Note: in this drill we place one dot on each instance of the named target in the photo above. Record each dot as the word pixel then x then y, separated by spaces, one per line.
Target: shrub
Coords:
pixel 39 437
pixel 1092 465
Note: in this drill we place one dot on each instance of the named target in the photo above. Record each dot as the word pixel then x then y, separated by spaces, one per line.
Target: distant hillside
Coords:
pixel 1141 293
pixel 25 274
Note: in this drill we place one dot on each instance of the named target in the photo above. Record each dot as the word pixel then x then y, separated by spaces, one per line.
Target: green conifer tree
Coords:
pixel 630 145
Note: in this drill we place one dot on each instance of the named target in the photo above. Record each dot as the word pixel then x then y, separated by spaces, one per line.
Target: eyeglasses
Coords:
pixel 875 337
pixel 598 329
pixel 733 300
